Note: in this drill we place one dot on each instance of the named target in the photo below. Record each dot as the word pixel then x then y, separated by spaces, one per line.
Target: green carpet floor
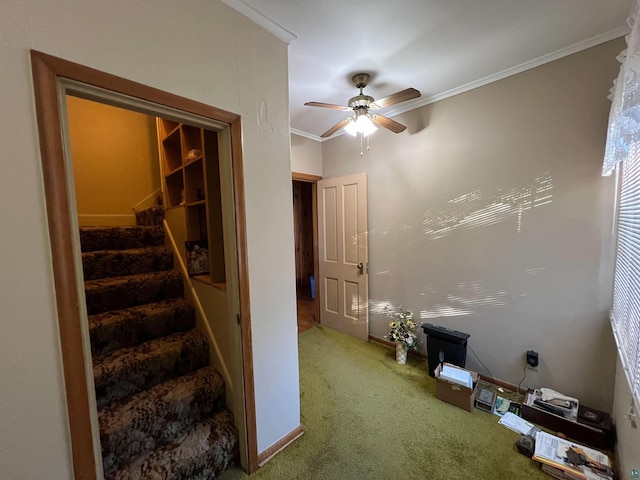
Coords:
pixel 366 417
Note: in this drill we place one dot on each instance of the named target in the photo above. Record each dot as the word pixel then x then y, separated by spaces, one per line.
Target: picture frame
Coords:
pixel 197 252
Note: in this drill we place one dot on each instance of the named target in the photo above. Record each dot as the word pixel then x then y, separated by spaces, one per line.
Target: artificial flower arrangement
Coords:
pixel 403 329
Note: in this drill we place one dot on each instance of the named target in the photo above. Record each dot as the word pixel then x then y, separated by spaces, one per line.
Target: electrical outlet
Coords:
pixel 532 358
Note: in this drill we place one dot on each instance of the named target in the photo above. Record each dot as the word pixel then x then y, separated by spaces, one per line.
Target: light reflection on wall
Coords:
pixel 463 298
pixel 479 208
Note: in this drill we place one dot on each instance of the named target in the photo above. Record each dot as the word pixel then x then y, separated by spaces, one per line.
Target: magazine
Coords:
pixel 575 460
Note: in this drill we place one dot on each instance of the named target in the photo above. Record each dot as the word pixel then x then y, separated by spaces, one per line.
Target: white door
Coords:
pixel 343 256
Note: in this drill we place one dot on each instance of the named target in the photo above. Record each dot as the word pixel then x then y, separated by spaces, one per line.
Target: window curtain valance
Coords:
pixel 624 119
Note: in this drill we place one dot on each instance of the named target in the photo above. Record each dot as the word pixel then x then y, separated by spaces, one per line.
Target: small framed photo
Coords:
pixel 197 257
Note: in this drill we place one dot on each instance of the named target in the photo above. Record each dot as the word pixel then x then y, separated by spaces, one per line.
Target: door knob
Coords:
pixel 360 268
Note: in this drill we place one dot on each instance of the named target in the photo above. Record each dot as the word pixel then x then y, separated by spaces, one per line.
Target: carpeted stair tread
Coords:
pixel 135 325
pixel 127 371
pixel 120 238
pixel 158 415
pixel 117 263
pixel 116 293
pixel 150 216
pixel 201 454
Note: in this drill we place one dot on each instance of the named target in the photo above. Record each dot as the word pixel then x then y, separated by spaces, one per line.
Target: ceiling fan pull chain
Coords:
pixel 361 152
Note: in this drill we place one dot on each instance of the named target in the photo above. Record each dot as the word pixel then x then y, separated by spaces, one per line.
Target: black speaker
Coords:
pixel 445 344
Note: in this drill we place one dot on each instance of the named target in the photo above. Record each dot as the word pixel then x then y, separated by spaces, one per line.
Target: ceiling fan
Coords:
pixel 362 121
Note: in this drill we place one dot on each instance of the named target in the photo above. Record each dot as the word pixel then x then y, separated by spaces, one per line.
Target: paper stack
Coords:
pixel 570 461
pixel 456 375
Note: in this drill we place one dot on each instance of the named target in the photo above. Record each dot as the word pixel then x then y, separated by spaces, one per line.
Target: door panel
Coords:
pixel 331 295
pixel 342 248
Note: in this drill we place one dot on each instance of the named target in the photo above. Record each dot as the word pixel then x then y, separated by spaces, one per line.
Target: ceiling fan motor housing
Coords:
pixel 361 101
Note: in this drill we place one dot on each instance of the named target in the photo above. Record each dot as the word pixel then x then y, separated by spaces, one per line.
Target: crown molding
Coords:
pixel 261 19
pixel 536 62
pixel 310 136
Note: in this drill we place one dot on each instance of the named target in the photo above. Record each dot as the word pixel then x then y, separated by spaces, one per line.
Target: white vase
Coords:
pixel 401 353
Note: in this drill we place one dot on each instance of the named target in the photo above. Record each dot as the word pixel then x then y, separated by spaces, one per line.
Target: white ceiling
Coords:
pixel 440 47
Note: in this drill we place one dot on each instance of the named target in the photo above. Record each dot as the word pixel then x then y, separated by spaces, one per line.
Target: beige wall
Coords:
pixel 489 216
pixel 115 161
pixel 306 155
pixel 200 50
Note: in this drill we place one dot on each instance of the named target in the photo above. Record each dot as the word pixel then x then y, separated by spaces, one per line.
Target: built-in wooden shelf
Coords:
pixel 191 172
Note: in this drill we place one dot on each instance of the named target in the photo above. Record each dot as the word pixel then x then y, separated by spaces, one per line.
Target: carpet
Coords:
pixel 367 417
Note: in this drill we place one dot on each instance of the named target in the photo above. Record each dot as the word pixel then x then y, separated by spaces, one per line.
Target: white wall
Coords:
pixel 198 49
pixel 306 155
pixel 628 434
pixel 489 216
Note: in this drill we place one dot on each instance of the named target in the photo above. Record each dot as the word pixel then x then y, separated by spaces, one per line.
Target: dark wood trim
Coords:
pixel 496 381
pixel 69 316
pixel 46 72
pixel 501 383
pixel 245 303
pixel 392 345
pixel 305 177
pixel 280 445
pixel 316 258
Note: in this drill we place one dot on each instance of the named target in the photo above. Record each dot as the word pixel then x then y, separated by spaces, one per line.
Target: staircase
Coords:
pixel 161 407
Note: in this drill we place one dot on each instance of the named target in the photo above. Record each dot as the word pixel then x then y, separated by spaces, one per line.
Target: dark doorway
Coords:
pixel 303 218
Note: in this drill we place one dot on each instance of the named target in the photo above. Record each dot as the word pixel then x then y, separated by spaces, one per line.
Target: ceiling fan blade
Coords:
pixel 328 105
pixel 389 124
pixel 402 96
pixel 335 128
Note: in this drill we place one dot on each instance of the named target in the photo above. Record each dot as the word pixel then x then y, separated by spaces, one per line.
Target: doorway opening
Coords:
pixel 305 225
pixel 54 79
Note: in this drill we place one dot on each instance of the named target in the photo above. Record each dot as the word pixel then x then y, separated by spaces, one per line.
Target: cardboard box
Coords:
pixel 453 393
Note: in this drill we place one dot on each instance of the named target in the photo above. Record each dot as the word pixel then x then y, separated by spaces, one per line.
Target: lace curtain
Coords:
pixel 624 119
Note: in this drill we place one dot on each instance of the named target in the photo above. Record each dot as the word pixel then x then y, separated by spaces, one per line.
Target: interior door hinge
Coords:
pixel 238 319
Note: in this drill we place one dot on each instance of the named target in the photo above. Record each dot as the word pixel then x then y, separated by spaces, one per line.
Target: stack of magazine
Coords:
pixel 566 460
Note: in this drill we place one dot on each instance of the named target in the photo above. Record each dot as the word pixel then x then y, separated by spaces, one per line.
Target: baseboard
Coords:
pixel 496 381
pixel 98 220
pixel 389 344
pixel 280 445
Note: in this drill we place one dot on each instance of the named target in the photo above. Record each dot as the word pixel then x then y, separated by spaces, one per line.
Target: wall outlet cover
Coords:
pixel 532 358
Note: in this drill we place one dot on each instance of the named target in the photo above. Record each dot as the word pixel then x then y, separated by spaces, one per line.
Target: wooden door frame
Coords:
pixel 47 72
pixel 313 180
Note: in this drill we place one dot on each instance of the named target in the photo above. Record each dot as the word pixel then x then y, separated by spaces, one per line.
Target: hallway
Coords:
pixel 306 309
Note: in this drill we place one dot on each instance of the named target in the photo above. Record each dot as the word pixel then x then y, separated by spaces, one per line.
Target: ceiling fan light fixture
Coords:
pixel 360 124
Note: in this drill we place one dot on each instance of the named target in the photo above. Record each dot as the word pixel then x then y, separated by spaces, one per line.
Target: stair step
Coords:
pixel 132 326
pixel 150 216
pixel 120 238
pixel 117 293
pixel 117 263
pixel 127 371
pixel 203 453
pixel 158 415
